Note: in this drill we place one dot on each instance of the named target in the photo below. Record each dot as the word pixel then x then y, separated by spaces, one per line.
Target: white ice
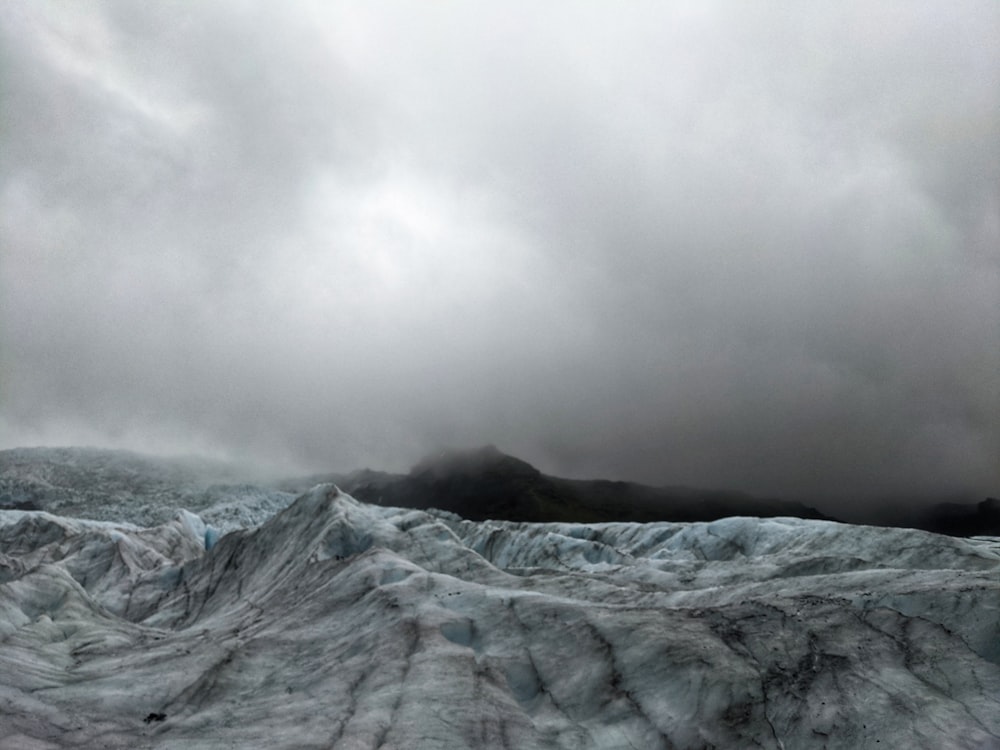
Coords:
pixel 338 624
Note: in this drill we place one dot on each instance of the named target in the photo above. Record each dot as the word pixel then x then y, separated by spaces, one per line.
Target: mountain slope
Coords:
pixel 488 484
pixel 478 485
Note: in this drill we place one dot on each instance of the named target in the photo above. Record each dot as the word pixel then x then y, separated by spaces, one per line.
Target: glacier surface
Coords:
pixel 331 623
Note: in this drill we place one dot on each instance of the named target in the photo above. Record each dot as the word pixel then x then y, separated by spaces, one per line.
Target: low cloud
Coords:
pixel 747 248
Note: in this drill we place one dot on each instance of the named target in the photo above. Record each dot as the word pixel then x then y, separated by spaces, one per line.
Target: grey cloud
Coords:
pixel 680 243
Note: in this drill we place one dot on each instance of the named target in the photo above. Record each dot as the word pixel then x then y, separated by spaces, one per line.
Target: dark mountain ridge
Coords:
pixel 479 484
pixel 486 483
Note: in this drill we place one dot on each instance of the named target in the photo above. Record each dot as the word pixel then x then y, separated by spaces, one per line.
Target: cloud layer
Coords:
pixel 689 243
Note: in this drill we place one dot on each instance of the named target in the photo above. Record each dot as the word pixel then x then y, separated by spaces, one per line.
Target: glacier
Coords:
pixel 324 622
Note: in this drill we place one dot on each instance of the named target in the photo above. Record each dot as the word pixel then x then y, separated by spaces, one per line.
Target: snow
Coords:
pixel 332 623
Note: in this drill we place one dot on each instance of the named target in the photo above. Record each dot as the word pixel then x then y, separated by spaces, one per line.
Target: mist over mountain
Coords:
pixel 737 246
pixel 485 484
pixel 477 484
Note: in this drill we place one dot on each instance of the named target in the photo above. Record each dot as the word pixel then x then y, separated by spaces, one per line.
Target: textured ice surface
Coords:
pixel 119 486
pixel 344 625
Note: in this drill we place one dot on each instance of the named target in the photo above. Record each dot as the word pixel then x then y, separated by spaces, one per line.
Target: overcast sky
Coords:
pixel 749 245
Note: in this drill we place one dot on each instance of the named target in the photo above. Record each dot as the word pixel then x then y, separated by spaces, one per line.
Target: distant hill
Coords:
pixel 488 484
pixel 961 519
pixel 478 484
